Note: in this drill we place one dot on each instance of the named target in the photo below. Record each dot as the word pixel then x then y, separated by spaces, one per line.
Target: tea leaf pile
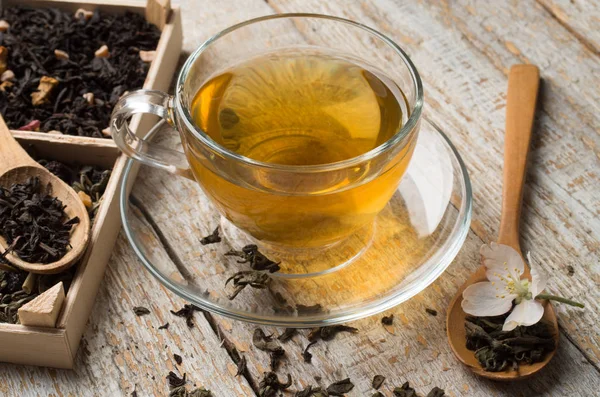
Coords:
pixel 31 41
pixel 34 223
pixel 498 350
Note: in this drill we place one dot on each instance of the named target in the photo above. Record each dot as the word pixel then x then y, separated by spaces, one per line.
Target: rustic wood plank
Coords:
pixel 580 17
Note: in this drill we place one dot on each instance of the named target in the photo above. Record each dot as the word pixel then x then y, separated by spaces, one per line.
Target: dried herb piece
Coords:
pixel 211 238
pixel 175 381
pixel 266 343
pixel 387 320
pixel 252 278
pixel 164 326
pixel 287 334
pixel 30 44
pixel 328 333
pixel 35 222
pixel 431 312
pixel 140 310
pixel 341 387
pixel 187 312
pixel 250 254
pixel 134 394
pixel 570 270
pixel 498 350
pixel 405 391
pixel 263 341
pixel 177 359
pixel 179 391
pixel 306 354
pixel 377 381
pixel 436 392
pixel 201 392
pixel 275 358
pixel 304 310
pixel 377 394
pixel 241 366
pixel 270 385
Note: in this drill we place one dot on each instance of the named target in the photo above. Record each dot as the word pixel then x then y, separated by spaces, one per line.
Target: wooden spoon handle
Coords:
pixel 523 83
pixel 11 153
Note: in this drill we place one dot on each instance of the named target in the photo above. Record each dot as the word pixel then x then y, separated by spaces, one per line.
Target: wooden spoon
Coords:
pixel 17 166
pixel 523 82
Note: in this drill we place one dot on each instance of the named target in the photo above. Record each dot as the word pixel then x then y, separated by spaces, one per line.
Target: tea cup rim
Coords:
pixel 398 137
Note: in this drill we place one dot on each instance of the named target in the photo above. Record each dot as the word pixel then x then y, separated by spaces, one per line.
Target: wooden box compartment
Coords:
pixel 56 347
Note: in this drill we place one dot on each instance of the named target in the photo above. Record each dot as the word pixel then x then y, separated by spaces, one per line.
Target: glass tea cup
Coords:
pixel 282 207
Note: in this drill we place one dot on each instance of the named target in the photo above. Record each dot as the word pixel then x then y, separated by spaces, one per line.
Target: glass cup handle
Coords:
pixel 153 102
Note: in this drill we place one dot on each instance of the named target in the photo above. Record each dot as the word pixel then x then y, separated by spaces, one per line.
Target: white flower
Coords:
pixel 505 286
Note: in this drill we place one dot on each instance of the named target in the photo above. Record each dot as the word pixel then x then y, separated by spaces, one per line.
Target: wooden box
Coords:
pixel 56 347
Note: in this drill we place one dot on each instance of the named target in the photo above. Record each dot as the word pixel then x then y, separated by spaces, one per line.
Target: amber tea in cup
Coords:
pixel 300 108
pixel 298 127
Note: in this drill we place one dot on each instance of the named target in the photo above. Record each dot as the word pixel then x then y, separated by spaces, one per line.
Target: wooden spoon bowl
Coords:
pixel 17 166
pixel 457 335
pixel 523 83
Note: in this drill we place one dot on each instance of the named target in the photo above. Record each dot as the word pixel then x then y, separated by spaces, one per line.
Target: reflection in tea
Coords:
pixel 301 108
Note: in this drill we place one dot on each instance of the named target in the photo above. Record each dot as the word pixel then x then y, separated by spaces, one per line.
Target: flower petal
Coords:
pixel 485 299
pixel 526 313
pixel 500 259
pixel 538 278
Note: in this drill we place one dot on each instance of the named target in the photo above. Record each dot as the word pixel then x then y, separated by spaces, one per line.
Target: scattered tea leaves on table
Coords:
pixel 405 391
pixel 164 326
pixel 287 334
pixel 250 254
pixel 187 312
pixel 177 358
pixel 387 320
pixel 377 381
pixel 176 381
pixel 328 333
pixel 431 312
pixel 34 222
pixel 340 388
pixel 211 238
pixel 306 354
pixel 270 385
pixel 51 54
pixel 436 392
pixel 498 350
pixel 140 310
pixel 244 278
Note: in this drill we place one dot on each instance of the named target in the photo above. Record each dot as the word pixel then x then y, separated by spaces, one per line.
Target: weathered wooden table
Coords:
pixel 463 50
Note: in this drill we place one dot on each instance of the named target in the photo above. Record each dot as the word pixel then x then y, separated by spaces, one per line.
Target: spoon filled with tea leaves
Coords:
pixel 44 225
pixel 523 83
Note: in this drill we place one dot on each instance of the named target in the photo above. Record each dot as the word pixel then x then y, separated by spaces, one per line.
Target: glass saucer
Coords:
pixel 411 243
